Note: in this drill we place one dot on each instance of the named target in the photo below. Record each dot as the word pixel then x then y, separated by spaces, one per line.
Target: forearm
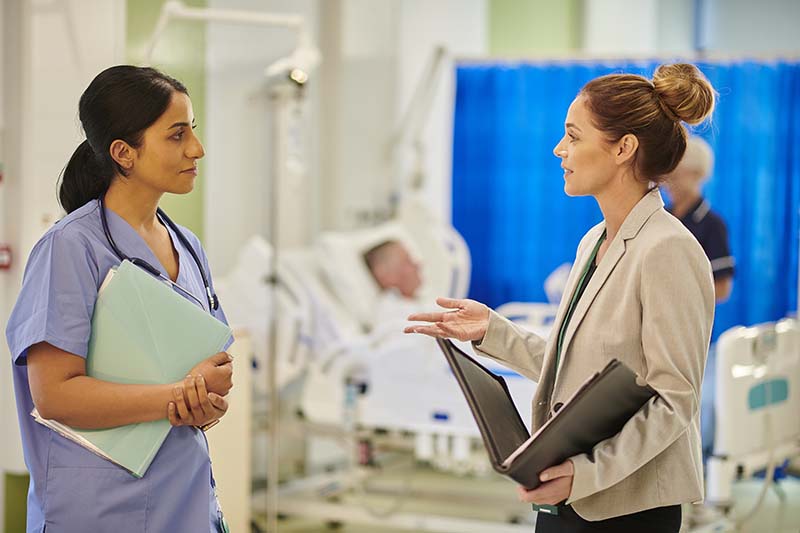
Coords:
pixel 513 346
pixel 88 403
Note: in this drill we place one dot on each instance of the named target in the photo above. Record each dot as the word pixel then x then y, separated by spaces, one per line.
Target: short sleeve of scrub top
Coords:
pixel 57 298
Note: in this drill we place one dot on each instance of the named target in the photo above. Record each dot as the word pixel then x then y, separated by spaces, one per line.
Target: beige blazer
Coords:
pixel 650 304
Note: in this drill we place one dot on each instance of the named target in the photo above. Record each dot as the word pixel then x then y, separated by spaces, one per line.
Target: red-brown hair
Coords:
pixel 653 111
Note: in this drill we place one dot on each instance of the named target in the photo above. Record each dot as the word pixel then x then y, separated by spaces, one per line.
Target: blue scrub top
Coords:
pixel 72 489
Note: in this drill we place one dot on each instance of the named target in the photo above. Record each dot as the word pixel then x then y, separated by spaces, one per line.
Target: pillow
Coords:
pixel 446 270
pixel 341 256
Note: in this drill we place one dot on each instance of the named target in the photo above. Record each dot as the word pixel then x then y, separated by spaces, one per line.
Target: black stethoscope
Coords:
pixel 213 301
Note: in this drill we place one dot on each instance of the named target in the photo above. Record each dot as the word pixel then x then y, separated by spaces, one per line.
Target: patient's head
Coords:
pixel 693 169
pixel 393 268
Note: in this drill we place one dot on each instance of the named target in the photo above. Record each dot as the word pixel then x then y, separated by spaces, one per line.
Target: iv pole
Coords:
pixel 407 136
pixel 296 68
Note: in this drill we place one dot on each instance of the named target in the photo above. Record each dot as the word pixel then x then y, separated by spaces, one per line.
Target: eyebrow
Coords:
pixel 571 125
pixel 178 124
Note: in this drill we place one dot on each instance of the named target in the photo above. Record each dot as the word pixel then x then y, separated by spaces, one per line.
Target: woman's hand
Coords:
pixel 555 488
pixel 217 371
pixel 467 320
pixel 193 405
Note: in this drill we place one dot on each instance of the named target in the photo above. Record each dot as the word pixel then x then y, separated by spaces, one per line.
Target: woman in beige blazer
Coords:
pixel 640 291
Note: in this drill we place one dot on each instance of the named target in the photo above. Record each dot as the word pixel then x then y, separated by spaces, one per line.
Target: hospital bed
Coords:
pixel 328 337
pixel 757 406
pixel 347 374
pixel 757 402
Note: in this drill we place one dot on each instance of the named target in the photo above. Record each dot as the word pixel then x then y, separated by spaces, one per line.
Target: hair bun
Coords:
pixel 684 93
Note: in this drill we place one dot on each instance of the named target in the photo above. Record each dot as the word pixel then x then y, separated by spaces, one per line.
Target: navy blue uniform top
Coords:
pixel 710 231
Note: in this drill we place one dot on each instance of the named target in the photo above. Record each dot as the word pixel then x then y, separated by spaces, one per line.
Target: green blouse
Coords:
pixel 588 271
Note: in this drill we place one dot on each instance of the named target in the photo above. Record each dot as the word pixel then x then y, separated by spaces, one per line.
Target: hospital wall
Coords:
pixel 376 54
pixel 181 52
pixel 373 54
pixel 744 27
pixel 51 50
pixel 239 164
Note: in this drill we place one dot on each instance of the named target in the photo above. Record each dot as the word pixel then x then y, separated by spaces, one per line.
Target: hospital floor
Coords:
pixel 773 516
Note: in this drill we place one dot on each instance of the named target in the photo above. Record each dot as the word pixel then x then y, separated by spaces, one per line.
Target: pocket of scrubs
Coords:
pixel 79 499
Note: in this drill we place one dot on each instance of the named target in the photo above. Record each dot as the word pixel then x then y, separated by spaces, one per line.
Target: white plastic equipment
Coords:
pixel 757 404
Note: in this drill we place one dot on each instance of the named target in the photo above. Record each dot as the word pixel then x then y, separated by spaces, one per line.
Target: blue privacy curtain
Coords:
pixel 509 202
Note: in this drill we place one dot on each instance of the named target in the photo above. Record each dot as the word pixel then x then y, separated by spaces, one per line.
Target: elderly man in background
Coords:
pixel 684 187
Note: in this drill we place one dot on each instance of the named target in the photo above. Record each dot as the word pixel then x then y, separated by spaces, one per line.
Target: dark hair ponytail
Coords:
pixel 86 176
pixel 120 103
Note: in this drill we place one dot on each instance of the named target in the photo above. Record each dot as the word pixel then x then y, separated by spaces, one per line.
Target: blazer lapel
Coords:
pixel 614 253
pixel 649 204
pixel 548 371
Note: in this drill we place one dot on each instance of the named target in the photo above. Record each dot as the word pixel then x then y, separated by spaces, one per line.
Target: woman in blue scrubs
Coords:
pixel 139 145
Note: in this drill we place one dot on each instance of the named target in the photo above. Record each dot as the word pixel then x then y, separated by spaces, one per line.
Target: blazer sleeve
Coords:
pixel 513 346
pixel 677 299
pixel 516 347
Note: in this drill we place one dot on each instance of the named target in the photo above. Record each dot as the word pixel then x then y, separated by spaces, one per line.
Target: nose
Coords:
pixel 195 149
pixel 559 151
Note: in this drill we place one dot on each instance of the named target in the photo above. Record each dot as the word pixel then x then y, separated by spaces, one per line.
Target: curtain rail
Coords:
pixel 579 58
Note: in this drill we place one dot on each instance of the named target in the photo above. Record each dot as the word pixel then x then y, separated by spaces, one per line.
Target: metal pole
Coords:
pixel 282 96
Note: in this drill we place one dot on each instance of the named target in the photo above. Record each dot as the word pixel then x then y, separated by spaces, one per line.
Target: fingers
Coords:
pixel 551 493
pixel 219 379
pixel 205 404
pixel 172 415
pixel 180 404
pixel 218 402
pixel 227 377
pixel 220 358
pixel 556 486
pixel 438 316
pixel 193 404
pixel 426 317
pixel 450 331
pixel 190 393
pixel 531 496
pixel 451 303
pixel 431 331
pixel 564 469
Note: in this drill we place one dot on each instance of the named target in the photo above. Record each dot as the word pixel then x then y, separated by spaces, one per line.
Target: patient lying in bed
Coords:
pixel 393 268
pixel 398 276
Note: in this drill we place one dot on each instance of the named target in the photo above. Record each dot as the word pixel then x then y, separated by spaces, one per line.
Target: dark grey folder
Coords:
pixel 596 412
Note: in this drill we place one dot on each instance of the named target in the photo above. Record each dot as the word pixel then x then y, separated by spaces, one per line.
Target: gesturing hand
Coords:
pixel 193 405
pixel 467 320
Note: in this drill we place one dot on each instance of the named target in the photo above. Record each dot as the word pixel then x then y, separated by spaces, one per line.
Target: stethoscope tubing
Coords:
pixel 213 301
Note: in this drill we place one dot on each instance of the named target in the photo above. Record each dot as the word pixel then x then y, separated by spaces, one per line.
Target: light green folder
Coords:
pixel 142 332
